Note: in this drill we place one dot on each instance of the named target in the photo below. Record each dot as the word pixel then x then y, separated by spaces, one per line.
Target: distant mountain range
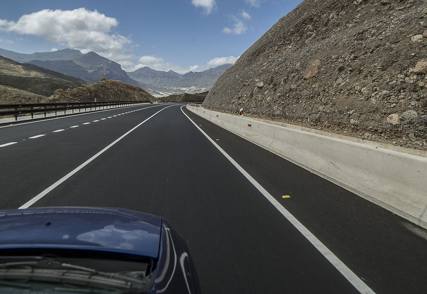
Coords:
pixel 92 67
pixel 172 82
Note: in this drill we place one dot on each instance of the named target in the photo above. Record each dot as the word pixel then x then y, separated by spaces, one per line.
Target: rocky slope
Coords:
pixel 9 95
pixel 104 90
pixel 354 67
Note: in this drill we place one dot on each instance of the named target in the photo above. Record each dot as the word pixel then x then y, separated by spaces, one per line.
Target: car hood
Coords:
pixel 99 229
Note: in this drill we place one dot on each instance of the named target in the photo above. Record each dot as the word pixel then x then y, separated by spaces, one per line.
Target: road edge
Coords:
pixel 387 177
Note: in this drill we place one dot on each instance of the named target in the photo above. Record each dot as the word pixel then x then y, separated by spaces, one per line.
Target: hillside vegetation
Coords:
pixel 102 91
pixel 355 67
pixel 9 95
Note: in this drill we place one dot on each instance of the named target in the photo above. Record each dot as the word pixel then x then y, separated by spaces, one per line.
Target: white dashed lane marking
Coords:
pixel 7 144
pixel 86 123
pixel 73 127
pixel 58 131
pixel 37 136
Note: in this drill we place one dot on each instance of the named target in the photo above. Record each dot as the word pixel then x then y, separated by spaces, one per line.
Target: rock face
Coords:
pixel 354 67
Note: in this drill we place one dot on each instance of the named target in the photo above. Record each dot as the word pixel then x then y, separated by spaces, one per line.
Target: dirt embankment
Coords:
pixel 354 67
pixel 105 90
pixel 9 95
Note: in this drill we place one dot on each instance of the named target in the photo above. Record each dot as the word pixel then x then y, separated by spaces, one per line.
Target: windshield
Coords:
pixel 38 274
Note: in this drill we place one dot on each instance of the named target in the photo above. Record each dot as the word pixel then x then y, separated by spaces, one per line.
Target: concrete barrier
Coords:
pixel 394 178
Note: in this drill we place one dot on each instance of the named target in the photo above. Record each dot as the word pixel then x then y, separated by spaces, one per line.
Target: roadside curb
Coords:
pixel 389 177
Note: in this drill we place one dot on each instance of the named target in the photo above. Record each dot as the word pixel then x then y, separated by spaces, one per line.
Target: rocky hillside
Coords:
pixel 9 95
pixel 104 90
pixel 354 67
pixel 33 79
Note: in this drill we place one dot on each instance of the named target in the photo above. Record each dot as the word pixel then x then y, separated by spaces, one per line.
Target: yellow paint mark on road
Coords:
pixel 286 196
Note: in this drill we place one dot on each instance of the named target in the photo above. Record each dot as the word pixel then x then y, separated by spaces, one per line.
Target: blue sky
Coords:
pixel 181 35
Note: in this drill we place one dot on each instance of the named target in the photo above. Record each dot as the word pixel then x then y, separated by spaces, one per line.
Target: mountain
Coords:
pixel 89 67
pixel 30 78
pixel 352 67
pixel 65 54
pixel 169 82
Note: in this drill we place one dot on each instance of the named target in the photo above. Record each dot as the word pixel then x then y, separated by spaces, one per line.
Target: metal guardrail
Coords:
pixel 17 110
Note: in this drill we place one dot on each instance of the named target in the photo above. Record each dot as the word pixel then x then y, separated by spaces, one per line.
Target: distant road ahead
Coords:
pixel 153 158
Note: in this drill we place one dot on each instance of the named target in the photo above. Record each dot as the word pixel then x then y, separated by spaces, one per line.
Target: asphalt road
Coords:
pixel 153 158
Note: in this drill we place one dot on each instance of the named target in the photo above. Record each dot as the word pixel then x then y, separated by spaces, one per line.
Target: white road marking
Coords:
pixel 343 269
pixel 95 121
pixel 73 127
pixel 86 123
pixel 58 131
pixel 81 166
pixel 37 136
pixel 67 116
pixel 7 144
pixel 103 118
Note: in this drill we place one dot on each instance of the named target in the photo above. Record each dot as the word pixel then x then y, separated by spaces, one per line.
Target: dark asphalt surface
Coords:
pixel 240 243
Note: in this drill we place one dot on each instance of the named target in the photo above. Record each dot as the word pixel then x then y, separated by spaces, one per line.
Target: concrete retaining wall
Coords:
pixel 394 178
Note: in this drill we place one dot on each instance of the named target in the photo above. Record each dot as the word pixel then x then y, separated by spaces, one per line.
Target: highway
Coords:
pixel 254 222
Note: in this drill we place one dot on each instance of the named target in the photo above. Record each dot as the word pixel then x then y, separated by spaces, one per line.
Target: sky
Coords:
pixel 179 35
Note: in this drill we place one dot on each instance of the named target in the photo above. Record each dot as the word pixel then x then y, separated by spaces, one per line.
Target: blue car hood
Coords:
pixel 98 229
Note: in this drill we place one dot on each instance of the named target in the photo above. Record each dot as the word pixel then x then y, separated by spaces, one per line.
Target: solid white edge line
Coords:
pixel 8 144
pixel 343 269
pixel 37 136
pixel 81 166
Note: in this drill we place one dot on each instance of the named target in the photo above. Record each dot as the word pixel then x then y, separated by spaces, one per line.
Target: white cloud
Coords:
pixel 253 3
pixel 239 24
pixel 79 28
pixel 245 15
pixel 238 28
pixel 207 5
pixel 217 61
